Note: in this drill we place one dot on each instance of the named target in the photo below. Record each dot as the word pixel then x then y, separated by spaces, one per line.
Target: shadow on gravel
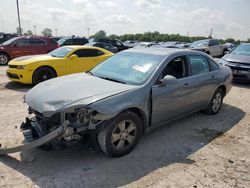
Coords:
pixel 242 84
pixel 17 86
pixel 163 146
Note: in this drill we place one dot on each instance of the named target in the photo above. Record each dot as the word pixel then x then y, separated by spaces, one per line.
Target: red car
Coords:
pixel 22 46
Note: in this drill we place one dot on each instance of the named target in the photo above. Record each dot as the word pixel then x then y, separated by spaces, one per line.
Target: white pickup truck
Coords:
pixel 209 46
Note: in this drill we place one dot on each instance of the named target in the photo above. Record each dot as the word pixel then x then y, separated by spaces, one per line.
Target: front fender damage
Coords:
pixel 28 129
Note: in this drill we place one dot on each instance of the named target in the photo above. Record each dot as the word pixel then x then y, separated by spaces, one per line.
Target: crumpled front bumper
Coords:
pixel 34 137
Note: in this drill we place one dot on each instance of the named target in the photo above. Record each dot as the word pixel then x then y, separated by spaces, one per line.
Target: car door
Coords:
pixel 218 49
pixel 21 47
pixel 86 60
pixel 203 81
pixel 37 46
pixel 172 100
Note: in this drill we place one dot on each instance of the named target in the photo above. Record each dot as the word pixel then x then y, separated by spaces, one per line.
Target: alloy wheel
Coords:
pixel 124 135
pixel 3 59
pixel 217 100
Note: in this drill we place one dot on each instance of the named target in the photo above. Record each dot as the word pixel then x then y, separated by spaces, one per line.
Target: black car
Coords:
pixel 6 36
pixel 115 42
pixel 104 45
pixel 72 41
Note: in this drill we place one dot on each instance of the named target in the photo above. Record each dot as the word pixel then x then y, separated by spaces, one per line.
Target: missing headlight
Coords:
pixel 80 116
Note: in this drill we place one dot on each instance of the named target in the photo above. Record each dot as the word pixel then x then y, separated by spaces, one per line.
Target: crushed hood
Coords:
pixel 55 94
pixel 237 58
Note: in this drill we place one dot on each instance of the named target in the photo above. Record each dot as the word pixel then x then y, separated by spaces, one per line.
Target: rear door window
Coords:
pixel 88 53
pixel 37 42
pixel 199 65
pixel 68 42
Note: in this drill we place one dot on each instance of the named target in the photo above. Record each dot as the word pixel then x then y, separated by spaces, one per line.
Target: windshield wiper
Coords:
pixel 112 79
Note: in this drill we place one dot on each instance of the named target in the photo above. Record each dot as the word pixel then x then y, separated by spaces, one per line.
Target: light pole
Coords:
pixel 18 15
pixel 56 31
pixel 88 31
pixel 2 26
pixel 34 26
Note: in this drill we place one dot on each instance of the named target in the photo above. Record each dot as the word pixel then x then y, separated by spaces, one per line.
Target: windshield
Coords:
pixel 201 43
pixel 60 52
pixel 243 49
pixel 10 41
pixel 128 67
pixel 61 41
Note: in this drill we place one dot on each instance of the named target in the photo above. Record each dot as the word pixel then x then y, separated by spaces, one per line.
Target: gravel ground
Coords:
pixel 196 151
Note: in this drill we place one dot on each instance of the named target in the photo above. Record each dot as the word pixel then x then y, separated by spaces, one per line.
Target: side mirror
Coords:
pixel 168 79
pixel 73 56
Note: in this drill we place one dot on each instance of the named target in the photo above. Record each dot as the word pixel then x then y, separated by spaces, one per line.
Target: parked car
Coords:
pixel 121 98
pixel 22 46
pixel 130 43
pixel 56 38
pixel 145 44
pixel 104 45
pixel 239 61
pixel 115 42
pixel 62 61
pixel 72 41
pixel 163 46
pixel 183 45
pixel 229 47
pixel 6 36
pixel 209 46
pixel 172 43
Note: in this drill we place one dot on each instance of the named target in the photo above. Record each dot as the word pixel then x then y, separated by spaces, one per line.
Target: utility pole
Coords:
pixel 88 31
pixel 211 33
pixel 34 26
pixel 18 15
pixel 56 31
pixel 2 26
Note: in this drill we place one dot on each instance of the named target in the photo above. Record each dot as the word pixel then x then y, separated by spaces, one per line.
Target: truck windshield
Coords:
pixel 201 43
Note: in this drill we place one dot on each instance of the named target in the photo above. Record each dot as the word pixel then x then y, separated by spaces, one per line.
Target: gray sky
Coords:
pixel 228 18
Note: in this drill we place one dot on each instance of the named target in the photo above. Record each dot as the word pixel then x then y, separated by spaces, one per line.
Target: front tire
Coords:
pixel 4 59
pixel 216 103
pixel 120 135
pixel 43 74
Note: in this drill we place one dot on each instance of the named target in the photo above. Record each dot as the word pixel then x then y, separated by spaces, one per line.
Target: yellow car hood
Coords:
pixel 24 60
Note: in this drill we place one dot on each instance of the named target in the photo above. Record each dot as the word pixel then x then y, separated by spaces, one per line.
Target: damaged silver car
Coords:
pixel 115 103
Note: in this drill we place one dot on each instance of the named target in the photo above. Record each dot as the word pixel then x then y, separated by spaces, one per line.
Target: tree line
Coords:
pixel 147 36
pixel 159 37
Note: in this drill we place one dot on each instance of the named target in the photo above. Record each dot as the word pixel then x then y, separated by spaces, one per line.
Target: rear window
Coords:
pixel 37 42
pixel 199 65
pixel 88 53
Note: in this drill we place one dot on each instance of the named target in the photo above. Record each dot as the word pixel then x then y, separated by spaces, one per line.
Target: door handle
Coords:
pixel 213 77
pixel 186 85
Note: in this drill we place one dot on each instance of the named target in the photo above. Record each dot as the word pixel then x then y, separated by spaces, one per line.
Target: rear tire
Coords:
pixel 4 58
pixel 215 103
pixel 43 74
pixel 120 135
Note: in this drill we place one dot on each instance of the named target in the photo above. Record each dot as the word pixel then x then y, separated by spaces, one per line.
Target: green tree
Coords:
pixel 47 32
pixel 248 40
pixel 99 34
pixel 29 32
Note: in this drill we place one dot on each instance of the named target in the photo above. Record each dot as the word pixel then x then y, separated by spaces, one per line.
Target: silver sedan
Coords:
pixel 119 100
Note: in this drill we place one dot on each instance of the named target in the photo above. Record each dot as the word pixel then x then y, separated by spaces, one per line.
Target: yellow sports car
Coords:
pixel 61 61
